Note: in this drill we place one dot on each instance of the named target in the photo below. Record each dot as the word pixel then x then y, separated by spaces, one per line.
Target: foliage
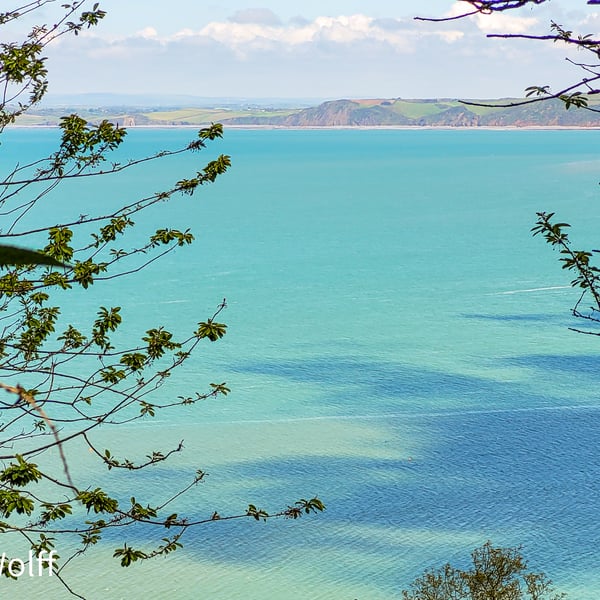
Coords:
pixel 586 274
pixel 496 574
pixel 575 94
pixel 11 255
pixel 66 381
pixel 501 573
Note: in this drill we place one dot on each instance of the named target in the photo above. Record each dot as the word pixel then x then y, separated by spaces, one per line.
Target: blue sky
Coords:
pixel 312 49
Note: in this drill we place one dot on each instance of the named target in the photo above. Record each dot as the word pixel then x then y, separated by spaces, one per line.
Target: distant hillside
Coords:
pixel 432 113
pixel 339 113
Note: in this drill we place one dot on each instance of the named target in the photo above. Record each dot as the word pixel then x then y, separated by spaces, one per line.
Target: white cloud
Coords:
pixel 148 33
pixel 327 56
pixel 449 36
pixel 338 30
pixel 496 22
pixel 342 30
pixel 503 23
pixel 591 20
pixel 255 30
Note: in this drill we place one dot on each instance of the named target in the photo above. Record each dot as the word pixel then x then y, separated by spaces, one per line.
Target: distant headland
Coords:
pixel 377 112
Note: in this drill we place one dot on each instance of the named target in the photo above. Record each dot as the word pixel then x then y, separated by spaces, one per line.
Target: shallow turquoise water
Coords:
pixel 397 344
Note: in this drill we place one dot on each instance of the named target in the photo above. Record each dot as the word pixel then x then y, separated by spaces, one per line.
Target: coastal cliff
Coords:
pixel 393 112
pixel 428 113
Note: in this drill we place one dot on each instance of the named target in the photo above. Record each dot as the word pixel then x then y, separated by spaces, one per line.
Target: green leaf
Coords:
pixel 11 255
pixel 213 331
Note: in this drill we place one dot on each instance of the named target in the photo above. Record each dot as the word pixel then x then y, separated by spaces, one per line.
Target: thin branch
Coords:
pixel 549 96
pixel 443 19
pixel 116 169
pixel 555 38
pixel 484 7
pixel 129 466
pixel 28 398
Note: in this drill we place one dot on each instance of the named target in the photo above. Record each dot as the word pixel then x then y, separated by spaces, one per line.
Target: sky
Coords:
pixel 310 49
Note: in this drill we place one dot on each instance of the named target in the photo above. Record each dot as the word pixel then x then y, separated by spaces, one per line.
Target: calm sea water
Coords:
pixel 398 345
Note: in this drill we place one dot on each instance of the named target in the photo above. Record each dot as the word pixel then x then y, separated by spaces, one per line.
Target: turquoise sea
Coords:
pixel 397 344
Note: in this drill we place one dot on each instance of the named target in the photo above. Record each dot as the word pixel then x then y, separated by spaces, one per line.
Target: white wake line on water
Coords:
pixel 163 302
pixel 529 290
pixel 450 413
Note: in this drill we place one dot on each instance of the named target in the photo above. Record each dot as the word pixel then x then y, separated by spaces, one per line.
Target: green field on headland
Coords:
pixel 339 113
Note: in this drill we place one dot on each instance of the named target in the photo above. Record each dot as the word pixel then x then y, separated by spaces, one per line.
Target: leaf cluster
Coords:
pixel 575 95
pixel 496 573
pixel 75 373
pixel 586 274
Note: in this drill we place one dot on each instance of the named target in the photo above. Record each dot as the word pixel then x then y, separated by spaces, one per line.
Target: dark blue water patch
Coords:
pixel 481 470
pixel 397 385
pixel 533 317
pixel 532 477
pixel 572 364
pixel 389 377
pixel 528 478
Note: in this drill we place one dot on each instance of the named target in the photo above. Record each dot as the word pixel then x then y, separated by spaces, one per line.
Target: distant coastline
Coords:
pixel 395 113
pixel 350 127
